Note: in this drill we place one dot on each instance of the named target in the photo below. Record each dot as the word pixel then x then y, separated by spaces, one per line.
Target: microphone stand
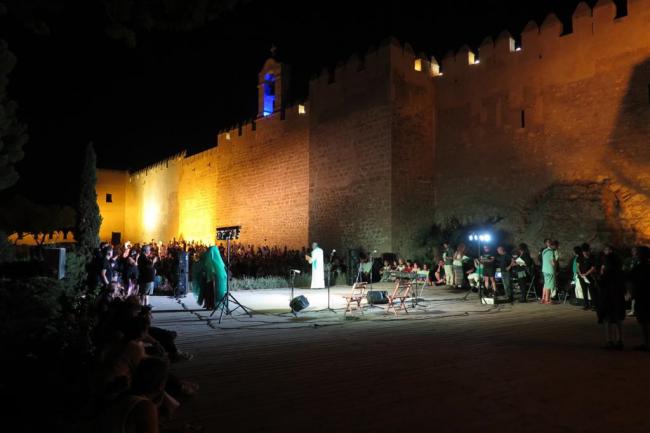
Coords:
pixel 329 276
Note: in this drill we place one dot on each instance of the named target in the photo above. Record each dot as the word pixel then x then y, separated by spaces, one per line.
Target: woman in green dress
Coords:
pixel 209 279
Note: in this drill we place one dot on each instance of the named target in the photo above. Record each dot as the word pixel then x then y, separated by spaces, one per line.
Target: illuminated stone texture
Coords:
pixel 553 136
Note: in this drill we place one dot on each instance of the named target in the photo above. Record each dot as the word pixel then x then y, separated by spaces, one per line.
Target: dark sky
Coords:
pixel 175 89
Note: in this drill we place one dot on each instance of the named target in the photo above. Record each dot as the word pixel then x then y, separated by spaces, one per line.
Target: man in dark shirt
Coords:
pixel 505 263
pixel 106 270
pixel 586 273
pixel 487 260
pixel 146 274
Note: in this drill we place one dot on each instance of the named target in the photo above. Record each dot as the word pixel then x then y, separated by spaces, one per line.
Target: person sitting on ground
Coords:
pixel 120 357
pixel 137 410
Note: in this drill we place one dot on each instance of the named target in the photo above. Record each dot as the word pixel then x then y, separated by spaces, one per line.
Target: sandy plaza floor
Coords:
pixel 450 365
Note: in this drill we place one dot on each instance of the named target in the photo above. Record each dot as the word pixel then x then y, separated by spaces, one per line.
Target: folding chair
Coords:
pixel 563 294
pixel 532 290
pixel 357 294
pixel 401 291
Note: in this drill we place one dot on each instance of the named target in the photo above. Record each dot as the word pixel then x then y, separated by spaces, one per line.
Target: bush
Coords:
pixel 251 283
pixel 76 274
pixel 29 311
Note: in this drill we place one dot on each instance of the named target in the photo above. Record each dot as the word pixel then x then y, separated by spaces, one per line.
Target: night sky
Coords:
pixel 172 87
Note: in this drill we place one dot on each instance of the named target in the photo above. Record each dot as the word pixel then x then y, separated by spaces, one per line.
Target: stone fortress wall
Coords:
pixel 550 136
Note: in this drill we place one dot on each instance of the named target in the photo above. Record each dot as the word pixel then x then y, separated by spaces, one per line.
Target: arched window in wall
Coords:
pixel 269 94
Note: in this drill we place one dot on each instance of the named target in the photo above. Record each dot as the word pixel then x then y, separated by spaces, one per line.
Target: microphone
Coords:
pixel 332 253
pixel 295 271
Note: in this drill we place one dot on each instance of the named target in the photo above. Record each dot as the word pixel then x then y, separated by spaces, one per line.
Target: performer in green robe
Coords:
pixel 209 278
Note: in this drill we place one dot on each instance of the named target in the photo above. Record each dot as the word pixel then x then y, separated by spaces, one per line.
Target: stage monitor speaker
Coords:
pixel 298 303
pixel 183 273
pixel 55 260
pixel 377 297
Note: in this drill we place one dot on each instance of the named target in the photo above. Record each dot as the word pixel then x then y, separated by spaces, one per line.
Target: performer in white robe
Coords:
pixel 317 267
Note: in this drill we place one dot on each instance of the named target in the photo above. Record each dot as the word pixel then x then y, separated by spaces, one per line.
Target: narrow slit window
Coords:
pixel 109 198
pixel 523 118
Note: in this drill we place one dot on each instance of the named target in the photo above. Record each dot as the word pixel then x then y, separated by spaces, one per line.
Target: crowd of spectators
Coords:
pixel 133 389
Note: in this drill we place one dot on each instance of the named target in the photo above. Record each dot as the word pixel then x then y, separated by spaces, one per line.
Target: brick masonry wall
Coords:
pixel 585 99
pixel 198 197
pixel 350 156
pixel 412 149
pixel 384 150
pixel 262 180
pixel 111 182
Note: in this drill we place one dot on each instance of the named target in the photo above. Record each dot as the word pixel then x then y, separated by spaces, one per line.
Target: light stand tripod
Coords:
pixel 227 234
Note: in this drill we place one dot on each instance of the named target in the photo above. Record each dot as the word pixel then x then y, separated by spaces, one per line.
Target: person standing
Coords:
pixel 586 275
pixel 640 279
pixel 611 305
pixel 458 262
pixel 549 264
pixel 146 274
pixel 448 259
pixel 317 267
pixel 487 260
pixel 505 262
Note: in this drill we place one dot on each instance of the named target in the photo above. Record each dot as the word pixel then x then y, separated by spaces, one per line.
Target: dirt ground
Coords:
pixel 452 366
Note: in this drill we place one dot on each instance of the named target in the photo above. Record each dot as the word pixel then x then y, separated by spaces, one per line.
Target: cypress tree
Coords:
pixel 88 217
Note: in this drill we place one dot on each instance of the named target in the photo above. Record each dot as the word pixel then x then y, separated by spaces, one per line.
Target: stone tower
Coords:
pixel 272 87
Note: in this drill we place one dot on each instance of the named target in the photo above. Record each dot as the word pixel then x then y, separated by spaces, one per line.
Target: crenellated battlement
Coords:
pixel 391 140
pixel 592 29
pixel 293 113
pixel 157 166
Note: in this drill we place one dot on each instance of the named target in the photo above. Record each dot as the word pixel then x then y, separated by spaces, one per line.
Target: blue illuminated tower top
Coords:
pixel 270 87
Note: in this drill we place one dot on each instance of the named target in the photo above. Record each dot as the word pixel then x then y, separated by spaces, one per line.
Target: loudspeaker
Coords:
pixel 116 238
pixel 298 303
pixel 183 274
pixel 55 260
pixel 377 297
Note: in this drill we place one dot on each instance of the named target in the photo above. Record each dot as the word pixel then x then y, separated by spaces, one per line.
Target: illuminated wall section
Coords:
pixel 111 199
pixel 553 137
pixel 156 213
pixel 263 180
pixel 198 197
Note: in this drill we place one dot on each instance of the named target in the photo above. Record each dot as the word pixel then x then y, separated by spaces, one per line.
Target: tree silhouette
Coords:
pixel 12 132
pixel 88 217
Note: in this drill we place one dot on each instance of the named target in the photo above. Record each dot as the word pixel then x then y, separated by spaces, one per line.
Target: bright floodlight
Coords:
pixel 488 238
pixel 481 238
